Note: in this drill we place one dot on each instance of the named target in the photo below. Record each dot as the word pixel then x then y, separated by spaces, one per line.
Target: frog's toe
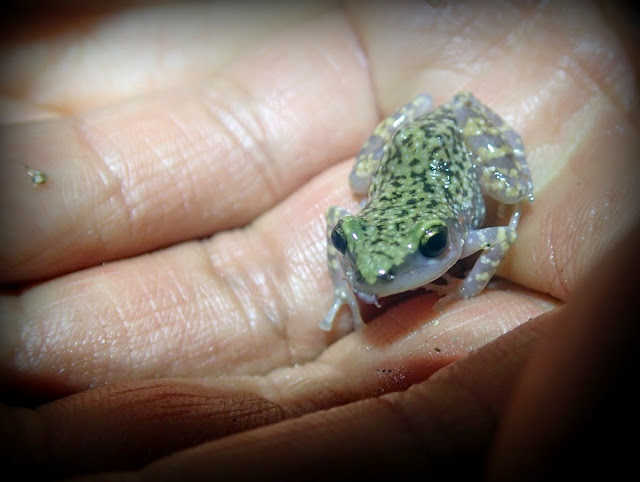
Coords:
pixel 442 303
pixel 447 293
pixel 441 289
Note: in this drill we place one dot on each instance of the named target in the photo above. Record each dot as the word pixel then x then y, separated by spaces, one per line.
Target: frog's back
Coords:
pixel 426 169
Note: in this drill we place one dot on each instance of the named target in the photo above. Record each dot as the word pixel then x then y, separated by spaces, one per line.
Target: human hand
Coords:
pixel 193 151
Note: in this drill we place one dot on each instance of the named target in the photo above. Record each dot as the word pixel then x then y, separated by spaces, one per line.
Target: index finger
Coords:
pixel 183 164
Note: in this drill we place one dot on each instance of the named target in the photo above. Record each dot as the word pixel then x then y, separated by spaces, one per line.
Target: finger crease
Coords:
pixel 245 129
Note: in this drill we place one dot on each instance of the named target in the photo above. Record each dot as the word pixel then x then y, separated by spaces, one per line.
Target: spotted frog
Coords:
pixel 424 173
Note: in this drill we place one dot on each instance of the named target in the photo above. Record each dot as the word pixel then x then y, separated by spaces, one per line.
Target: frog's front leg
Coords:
pixel 372 150
pixel 342 292
pixel 495 242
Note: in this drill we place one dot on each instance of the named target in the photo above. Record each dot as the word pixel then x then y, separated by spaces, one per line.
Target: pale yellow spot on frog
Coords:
pixel 494 153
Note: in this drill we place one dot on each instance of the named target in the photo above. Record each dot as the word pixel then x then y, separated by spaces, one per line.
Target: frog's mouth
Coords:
pixel 417 270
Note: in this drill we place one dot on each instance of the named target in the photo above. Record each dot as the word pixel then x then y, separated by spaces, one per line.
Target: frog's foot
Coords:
pixel 448 292
pixel 442 303
pixel 342 297
pixel 342 292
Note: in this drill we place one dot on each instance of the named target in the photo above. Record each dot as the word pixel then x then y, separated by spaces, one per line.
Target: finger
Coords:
pixel 176 325
pixel 446 424
pixel 150 419
pixel 572 102
pixel 156 418
pixel 575 395
pixel 244 303
pixel 183 164
pixel 52 68
pixel 394 432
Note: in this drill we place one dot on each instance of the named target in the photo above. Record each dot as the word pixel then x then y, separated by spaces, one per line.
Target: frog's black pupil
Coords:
pixel 433 242
pixel 338 239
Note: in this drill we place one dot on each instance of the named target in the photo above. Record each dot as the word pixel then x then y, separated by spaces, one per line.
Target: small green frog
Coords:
pixel 424 173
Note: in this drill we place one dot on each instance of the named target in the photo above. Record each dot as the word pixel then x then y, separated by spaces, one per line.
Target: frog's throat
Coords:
pixel 415 271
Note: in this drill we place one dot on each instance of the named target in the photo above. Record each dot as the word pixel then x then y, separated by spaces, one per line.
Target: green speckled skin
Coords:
pixel 424 173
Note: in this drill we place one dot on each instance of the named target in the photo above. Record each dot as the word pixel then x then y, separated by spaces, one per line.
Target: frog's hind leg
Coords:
pixel 498 151
pixel 343 294
pixel 372 150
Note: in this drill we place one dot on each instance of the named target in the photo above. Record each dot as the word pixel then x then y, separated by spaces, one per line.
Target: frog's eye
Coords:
pixel 338 238
pixel 433 241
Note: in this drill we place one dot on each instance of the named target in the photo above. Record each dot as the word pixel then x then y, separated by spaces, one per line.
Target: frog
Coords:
pixel 423 175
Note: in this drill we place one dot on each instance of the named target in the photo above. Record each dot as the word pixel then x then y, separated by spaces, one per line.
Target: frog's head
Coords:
pixel 382 259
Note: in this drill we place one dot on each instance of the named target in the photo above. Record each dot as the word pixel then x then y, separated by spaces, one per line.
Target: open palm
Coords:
pixel 177 245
